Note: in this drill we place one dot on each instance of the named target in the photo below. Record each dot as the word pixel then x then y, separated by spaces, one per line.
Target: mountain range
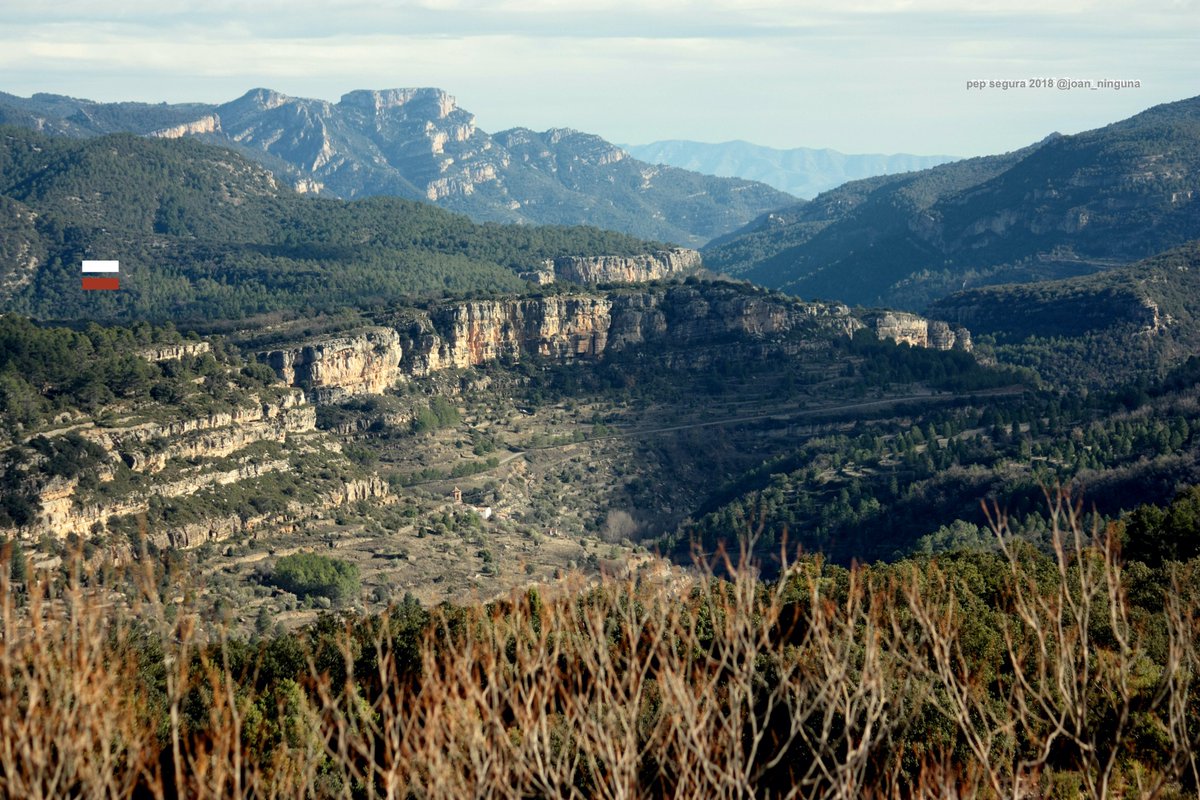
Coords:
pixel 418 144
pixel 1068 205
pixel 802 171
pixel 203 233
pixel 1115 326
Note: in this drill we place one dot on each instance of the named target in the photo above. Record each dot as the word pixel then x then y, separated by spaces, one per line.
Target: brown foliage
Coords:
pixel 808 687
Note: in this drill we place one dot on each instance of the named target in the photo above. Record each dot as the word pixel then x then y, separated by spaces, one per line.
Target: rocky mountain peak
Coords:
pixel 261 99
pixel 418 143
pixel 426 101
pixel 556 135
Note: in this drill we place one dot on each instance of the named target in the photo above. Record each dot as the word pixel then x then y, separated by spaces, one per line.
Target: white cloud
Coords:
pixel 878 75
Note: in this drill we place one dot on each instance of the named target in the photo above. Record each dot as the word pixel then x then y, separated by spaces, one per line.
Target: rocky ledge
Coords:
pixel 363 362
pixel 463 334
pixel 654 266
pixel 917 331
pixel 159 460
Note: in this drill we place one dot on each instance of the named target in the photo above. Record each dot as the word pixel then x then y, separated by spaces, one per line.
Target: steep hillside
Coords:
pixel 579 418
pixel 418 144
pixel 117 430
pixel 464 445
pixel 772 244
pixel 577 325
pixel 801 171
pixel 1068 206
pixel 1119 325
pixel 202 234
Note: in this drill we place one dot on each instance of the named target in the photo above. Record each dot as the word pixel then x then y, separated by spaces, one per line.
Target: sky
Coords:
pixel 859 76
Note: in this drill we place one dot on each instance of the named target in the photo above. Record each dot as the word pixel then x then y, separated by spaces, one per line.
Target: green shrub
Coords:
pixel 440 413
pixel 310 575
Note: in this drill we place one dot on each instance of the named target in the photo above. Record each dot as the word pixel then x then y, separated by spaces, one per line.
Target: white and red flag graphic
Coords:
pixel 101 275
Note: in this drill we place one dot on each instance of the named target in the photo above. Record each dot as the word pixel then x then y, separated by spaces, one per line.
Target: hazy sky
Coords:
pixel 857 76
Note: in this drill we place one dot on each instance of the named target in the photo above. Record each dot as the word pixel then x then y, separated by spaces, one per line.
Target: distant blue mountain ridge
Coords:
pixel 801 171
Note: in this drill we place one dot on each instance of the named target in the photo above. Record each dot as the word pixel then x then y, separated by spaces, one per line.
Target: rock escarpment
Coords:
pixel 220 528
pixel 63 513
pixel 209 123
pixel 146 447
pixel 450 336
pixel 943 337
pixel 622 269
pixel 905 328
pixel 363 362
pixel 565 327
pixel 172 480
pixel 463 334
pixel 473 333
pixel 171 352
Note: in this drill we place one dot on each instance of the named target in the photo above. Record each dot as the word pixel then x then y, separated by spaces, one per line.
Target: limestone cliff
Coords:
pixel 566 327
pixel 146 448
pixel 943 337
pixel 62 514
pixel 623 269
pixel 463 334
pixel 540 277
pixel 422 103
pixel 171 352
pixel 307 186
pixel 475 332
pixel 210 123
pixel 362 362
pixel 219 528
pixel 902 327
pixel 460 183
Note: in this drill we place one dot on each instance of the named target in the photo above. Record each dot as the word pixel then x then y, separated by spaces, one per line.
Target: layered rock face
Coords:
pixel 209 123
pixel 904 328
pixel 561 327
pixel 623 269
pixel 216 529
pixel 307 186
pixel 148 446
pixel 942 337
pixel 146 449
pixel 170 352
pixel 470 333
pixel 62 515
pixel 566 327
pixel 365 362
pixel 418 103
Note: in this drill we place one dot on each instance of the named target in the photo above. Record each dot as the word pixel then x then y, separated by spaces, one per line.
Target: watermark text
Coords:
pixel 1061 84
